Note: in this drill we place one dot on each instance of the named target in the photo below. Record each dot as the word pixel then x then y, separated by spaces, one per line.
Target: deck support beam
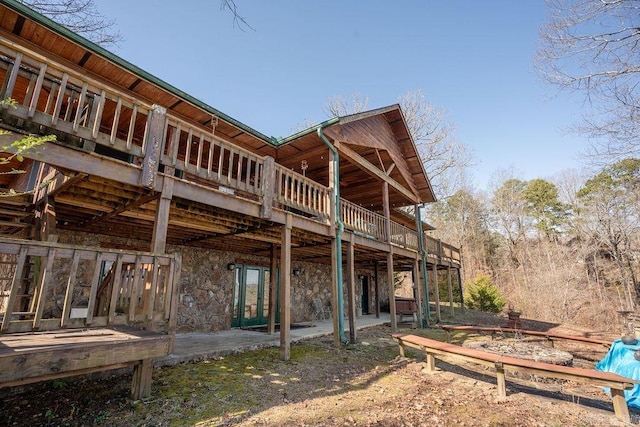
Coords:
pixel 351 292
pixel 418 290
pixel 450 289
pixel 161 223
pixel 141 383
pixel 436 291
pixel 376 278
pixel 285 291
pixel 390 281
pixel 273 289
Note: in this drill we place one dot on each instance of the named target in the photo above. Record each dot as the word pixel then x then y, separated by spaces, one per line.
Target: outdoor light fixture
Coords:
pixel 296 272
pixel 231 266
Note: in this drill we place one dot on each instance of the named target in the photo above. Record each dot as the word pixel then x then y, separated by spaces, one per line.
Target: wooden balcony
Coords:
pixel 92 116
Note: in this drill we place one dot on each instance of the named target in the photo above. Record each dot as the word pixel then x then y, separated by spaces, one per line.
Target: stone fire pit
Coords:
pixel 523 350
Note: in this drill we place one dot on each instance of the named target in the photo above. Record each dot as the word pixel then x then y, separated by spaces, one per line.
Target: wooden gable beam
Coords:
pixel 368 167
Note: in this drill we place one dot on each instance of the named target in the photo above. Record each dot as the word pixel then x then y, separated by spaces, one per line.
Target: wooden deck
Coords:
pixel 39 356
pixel 118 311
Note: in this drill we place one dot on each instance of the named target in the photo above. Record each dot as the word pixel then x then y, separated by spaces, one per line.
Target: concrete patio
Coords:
pixel 191 347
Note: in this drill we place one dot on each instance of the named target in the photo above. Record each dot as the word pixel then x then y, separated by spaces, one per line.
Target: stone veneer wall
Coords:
pixel 206 285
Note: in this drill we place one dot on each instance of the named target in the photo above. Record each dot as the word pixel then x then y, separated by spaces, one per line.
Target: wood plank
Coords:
pixel 68 297
pixel 37 89
pixel 11 82
pixel 41 290
pixel 370 168
pixel 40 355
pixel 135 289
pixel 115 289
pixel 15 285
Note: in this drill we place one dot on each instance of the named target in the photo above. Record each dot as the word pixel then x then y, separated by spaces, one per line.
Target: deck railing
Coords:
pixel 198 152
pixel 46 286
pixel 301 193
pixel 363 221
pixel 55 96
pixel 404 236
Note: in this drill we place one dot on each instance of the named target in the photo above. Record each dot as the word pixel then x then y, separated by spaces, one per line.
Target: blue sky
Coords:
pixel 472 58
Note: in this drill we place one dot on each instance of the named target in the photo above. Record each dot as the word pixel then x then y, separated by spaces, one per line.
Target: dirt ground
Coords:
pixel 365 384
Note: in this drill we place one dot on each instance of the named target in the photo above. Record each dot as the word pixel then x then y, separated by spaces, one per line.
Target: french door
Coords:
pixel 250 296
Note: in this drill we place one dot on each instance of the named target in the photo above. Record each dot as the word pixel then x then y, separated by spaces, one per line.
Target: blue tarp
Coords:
pixel 620 360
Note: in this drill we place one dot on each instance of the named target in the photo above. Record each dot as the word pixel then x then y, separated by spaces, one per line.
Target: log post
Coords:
pixel 159 239
pixel 141 383
pixel 268 180
pixel 436 290
pixel 450 290
pixel 153 145
pixel 391 285
pixel 285 290
pixel 418 291
pixel 273 289
pixel 351 292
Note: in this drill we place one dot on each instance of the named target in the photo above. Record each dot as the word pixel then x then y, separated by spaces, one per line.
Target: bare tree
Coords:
pixel 445 158
pixel 80 16
pixel 338 105
pixel 237 19
pixel 591 47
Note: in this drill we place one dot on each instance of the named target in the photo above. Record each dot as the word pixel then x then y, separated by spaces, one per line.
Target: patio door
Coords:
pixel 250 296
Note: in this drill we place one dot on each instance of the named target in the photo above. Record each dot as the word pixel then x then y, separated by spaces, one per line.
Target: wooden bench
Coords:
pixel 549 336
pixel 406 307
pixel 502 364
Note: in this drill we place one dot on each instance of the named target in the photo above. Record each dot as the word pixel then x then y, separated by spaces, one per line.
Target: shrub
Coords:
pixel 483 295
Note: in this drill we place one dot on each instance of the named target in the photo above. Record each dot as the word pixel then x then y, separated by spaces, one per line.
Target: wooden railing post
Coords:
pixel 153 145
pixel 268 181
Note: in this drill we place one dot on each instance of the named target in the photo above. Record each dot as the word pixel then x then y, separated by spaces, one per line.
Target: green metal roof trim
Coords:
pixel 312 129
pixel 94 48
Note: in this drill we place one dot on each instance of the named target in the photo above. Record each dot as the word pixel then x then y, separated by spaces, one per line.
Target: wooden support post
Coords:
pixel 141 383
pixel 460 287
pixel 334 291
pixel 46 219
pixel 285 290
pixel 159 239
pixel 154 144
pixel 392 290
pixel 390 279
pixel 376 283
pixel 273 289
pixel 436 290
pixel 418 290
pixel 620 405
pixel 401 349
pixel 500 377
pixel 431 363
pixel 268 181
pixel 450 290
pixel 175 294
pixel 351 291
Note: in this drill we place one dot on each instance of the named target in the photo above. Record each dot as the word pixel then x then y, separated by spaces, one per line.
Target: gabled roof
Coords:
pixel 375 143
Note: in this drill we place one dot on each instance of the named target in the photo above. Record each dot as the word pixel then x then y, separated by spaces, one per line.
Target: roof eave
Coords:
pixel 122 63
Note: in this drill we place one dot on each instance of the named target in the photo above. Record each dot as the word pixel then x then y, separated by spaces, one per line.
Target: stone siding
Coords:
pixel 206 284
